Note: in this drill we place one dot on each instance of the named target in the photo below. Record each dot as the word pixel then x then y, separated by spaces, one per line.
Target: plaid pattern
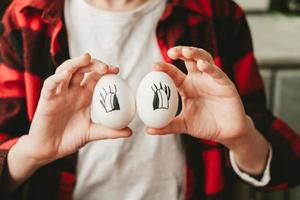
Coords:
pixel 33 43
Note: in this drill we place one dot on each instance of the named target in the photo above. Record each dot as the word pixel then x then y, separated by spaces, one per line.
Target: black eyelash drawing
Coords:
pixel 162 94
pixel 109 99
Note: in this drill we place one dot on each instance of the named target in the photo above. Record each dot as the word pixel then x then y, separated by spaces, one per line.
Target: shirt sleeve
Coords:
pixel 3 156
pixel 285 165
pixel 262 181
pixel 13 116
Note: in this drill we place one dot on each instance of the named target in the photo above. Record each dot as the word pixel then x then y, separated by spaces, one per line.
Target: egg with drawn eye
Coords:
pixel 157 100
pixel 113 103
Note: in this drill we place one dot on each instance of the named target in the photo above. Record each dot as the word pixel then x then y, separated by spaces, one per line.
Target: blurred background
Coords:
pixel 275 27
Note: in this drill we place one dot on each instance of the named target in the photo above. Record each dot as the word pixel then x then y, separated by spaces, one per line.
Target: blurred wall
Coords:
pixel 254 4
pixel 276 44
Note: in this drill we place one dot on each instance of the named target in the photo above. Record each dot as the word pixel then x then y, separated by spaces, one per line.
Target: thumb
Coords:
pixel 100 132
pixel 176 126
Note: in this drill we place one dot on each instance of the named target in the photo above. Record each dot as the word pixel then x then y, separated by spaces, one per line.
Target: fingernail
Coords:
pixel 86 54
pixel 112 66
pixel 175 49
pixel 157 64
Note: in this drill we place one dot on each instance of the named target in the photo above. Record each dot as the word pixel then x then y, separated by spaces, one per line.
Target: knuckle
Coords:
pixel 48 80
pixel 60 68
pixel 66 63
pixel 101 64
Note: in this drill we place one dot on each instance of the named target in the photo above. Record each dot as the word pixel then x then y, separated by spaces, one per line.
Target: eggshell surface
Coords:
pixel 157 100
pixel 113 103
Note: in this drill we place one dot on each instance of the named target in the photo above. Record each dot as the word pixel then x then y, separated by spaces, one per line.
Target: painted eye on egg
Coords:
pixel 113 103
pixel 161 96
pixel 157 100
pixel 109 99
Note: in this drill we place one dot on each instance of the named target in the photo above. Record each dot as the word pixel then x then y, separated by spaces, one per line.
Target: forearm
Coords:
pixel 251 151
pixel 20 166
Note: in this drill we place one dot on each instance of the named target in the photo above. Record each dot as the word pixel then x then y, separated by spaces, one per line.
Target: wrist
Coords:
pixel 246 136
pixel 20 166
pixel 250 150
pixel 21 152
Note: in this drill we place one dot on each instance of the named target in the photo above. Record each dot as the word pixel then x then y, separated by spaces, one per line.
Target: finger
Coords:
pixel 177 75
pixel 90 80
pixel 113 70
pixel 189 54
pixel 76 79
pixel 95 66
pixel 195 54
pixel 99 132
pixel 98 72
pixel 176 126
pixel 52 83
pixel 191 66
pixel 175 52
pixel 75 63
pixel 213 71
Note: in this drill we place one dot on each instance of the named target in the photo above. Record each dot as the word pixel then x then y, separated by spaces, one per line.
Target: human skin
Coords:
pixel 212 109
pixel 61 124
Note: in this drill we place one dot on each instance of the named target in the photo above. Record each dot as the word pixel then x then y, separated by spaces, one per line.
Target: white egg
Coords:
pixel 157 100
pixel 113 103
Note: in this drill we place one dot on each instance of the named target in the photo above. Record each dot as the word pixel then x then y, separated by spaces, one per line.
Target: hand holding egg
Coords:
pixel 212 108
pixel 62 124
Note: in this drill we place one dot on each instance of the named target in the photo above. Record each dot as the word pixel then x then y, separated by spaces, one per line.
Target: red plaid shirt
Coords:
pixel 33 43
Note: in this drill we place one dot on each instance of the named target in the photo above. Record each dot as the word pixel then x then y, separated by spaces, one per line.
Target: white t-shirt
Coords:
pixel 143 166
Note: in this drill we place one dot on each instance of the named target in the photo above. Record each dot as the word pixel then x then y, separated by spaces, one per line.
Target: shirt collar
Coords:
pixel 197 6
pixel 52 9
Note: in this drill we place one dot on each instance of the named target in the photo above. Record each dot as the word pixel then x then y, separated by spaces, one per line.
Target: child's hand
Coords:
pixel 212 108
pixel 62 124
